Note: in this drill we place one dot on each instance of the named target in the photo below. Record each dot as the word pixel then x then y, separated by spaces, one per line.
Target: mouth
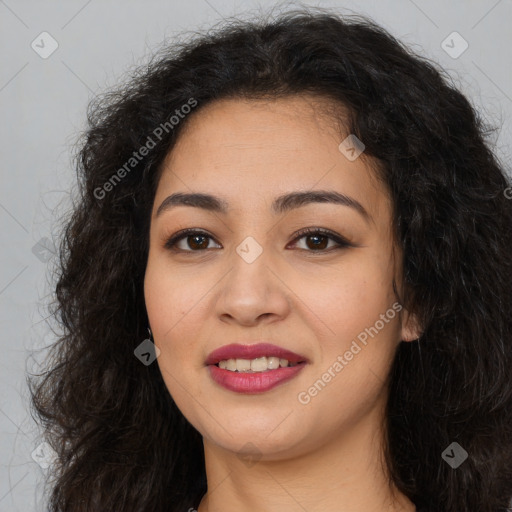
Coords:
pixel 259 364
pixel 253 368
pixel 255 357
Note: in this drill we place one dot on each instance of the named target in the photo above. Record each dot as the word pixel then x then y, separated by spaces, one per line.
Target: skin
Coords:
pixel 325 455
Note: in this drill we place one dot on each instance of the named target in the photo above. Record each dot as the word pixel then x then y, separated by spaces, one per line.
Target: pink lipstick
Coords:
pixel 253 368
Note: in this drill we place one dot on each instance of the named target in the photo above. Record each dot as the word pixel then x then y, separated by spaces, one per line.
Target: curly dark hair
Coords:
pixel 121 441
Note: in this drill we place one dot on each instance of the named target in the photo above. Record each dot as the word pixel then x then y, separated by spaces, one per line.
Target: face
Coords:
pixel 247 275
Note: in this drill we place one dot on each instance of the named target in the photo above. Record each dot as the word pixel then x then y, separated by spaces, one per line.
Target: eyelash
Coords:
pixel 342 243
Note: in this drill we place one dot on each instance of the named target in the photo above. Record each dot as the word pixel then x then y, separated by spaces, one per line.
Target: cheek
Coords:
pixel 175 303
pixel 167 302
pixel 357 349
pixel 168 294
pixel 348 298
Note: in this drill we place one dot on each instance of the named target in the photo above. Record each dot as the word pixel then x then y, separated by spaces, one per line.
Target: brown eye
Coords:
pixel 189 241
pixel 197 241
pixel 317 241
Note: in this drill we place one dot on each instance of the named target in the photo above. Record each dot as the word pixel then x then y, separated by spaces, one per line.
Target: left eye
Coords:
pixel 316 240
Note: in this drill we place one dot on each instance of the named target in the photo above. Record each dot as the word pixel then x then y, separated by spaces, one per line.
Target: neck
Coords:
pixel 346 473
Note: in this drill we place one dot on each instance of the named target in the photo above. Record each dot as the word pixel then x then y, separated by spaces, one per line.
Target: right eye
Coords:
pixel 195 240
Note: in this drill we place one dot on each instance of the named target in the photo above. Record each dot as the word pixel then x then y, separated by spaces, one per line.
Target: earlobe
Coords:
pixel 411 330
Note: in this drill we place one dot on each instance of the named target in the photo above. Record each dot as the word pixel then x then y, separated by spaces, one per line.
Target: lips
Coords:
pixel 242 351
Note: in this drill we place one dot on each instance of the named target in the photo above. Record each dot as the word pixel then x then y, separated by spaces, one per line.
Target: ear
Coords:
pixel 411 330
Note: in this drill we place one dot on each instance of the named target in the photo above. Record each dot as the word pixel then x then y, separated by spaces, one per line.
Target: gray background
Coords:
pixel 43 103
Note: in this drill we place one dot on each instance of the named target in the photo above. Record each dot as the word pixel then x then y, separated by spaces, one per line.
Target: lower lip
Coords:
pixel 257 382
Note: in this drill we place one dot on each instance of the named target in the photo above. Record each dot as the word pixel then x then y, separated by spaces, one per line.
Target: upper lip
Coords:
pixel 245 351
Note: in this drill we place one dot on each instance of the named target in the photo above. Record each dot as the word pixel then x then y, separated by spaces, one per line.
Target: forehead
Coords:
pixel 245 149
pixel 298 123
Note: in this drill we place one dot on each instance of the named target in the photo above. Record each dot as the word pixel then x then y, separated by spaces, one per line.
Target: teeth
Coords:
pixel 273 363
pixel 260 364
pixel 256 365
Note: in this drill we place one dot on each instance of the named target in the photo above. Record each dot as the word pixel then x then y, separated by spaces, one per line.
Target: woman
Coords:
pixel 308 220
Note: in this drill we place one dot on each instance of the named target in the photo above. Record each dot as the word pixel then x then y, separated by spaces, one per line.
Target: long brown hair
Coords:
pixel 122 443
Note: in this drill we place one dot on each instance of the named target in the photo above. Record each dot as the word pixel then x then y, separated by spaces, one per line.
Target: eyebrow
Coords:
pixel 280 205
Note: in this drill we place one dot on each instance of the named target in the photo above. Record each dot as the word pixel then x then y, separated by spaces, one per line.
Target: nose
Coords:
pixel 253 292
